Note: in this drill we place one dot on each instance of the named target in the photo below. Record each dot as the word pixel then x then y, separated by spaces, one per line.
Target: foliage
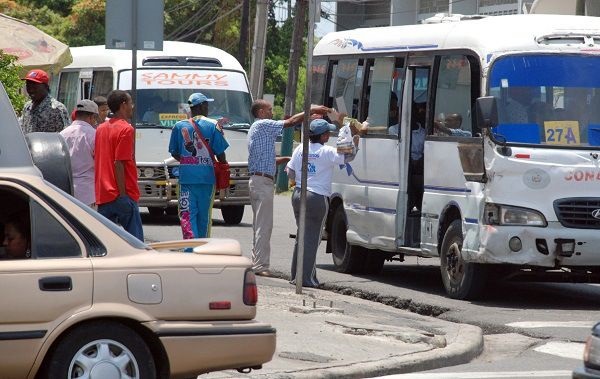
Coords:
pixel 10 77
pixel 212 22
pixel 85 25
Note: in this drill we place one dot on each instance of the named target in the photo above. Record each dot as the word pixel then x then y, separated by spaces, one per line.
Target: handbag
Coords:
pixel 222 172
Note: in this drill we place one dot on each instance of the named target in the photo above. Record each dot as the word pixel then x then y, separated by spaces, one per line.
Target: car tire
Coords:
pixel 50 154
pixel 462 280
pixel 346 258
pixel 156 211
pixel 232 214
pixel 111 349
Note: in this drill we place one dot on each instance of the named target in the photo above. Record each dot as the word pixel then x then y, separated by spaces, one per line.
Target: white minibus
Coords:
pixel 165 80
pixel 481 147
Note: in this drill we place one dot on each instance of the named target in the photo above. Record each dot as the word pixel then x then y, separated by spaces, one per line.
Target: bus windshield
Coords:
pixel 162 96
pixel 547 99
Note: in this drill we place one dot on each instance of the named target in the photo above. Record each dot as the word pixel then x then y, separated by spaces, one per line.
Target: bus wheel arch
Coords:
pixel 346 258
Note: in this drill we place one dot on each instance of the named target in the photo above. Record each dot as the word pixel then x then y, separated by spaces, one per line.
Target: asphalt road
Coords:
pixel 529 327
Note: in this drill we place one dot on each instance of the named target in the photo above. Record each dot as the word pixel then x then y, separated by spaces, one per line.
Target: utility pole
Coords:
pixel 314 5
pixel 244 33
pixel 289 107
pixel 257 66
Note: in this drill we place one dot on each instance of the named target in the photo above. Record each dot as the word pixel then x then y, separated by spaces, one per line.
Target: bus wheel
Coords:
pixel 232 214
pixel 462 280
pixel 346 258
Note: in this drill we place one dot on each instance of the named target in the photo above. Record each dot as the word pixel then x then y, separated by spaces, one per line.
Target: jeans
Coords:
pixel 124 211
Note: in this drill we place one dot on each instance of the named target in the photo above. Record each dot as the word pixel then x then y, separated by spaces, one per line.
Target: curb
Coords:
pixel 467 345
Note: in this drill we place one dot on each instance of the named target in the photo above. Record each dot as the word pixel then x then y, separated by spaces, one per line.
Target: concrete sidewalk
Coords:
pixel 322 334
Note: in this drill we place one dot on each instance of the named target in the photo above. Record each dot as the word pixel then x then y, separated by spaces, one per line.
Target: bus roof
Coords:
pixel 98 56
pixel 488 35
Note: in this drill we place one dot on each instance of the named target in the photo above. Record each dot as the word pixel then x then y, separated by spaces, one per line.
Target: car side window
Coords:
pixel 49 239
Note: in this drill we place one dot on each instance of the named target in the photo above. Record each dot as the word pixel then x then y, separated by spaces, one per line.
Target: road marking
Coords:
pixel 571 350
pixel 480 375
pixel 552 324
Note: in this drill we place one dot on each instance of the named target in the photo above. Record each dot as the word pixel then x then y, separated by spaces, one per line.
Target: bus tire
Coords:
pixel 156 211
pixel 346 258
pixel 462 280
pixel 50 154
pixel 232 214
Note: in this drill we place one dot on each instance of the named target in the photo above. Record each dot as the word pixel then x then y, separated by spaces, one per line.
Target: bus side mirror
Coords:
pixel 486 112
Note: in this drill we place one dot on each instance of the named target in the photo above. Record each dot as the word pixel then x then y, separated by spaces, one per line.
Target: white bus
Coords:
pixel 513 192
pixel 165 79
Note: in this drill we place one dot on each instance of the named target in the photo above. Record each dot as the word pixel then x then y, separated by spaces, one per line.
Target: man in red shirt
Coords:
pixel 117 191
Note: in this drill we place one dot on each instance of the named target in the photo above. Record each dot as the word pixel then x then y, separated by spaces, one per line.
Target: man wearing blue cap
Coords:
pixel 193 142
pixel 322 160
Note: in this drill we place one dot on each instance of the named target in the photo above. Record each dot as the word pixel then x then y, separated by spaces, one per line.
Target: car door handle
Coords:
pixel 56 283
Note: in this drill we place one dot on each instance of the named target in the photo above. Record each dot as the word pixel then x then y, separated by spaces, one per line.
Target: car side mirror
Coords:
pixel 486 112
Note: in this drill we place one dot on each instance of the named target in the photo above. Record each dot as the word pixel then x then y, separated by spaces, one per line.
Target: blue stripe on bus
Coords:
pixel 447 189
pixel 373 209
pixel 471 221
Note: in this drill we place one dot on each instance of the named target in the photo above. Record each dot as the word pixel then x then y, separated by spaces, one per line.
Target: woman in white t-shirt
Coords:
pixel 322 160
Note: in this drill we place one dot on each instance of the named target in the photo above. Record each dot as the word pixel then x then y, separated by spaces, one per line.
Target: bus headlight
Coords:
pixel 498 214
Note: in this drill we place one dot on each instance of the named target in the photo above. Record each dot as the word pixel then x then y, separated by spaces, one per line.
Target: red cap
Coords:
pixel 38 76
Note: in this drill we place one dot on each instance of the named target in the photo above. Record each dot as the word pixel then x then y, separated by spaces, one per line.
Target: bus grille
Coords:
pixel 578 213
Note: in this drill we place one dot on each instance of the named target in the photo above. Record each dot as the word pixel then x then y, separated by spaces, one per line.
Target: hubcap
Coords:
pixel 104 359
pixel 454 265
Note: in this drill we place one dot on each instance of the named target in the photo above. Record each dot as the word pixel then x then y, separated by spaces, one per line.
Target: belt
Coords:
pixel 261 174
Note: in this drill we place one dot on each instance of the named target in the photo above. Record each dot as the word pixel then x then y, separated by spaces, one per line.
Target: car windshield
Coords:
pixel 162 96
pixel 547 99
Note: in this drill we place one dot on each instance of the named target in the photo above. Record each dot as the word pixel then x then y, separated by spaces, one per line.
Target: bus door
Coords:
pixel 376 168
pixel 413 132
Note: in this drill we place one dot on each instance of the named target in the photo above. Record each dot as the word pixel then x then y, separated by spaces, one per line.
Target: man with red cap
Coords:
pixel 42 113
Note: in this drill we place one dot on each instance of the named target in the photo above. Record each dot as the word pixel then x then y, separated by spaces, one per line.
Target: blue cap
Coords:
pixel 320 126
pixel 197 98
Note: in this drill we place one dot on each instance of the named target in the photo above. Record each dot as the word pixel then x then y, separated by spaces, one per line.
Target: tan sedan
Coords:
pixel 81 298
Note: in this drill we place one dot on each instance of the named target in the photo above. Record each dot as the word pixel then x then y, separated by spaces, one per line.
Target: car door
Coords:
pixel 44 286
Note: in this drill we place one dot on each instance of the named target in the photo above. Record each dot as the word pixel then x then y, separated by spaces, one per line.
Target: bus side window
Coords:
pixel 453 97
pixel 319 70
pixel 381 80
pixel 67 89
pixel 344 84
pixel 102 83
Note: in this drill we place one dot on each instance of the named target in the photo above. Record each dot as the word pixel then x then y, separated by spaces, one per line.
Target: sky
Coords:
pixel 323 27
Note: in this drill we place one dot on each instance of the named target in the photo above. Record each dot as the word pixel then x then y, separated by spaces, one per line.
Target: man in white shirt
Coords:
pixel 81 137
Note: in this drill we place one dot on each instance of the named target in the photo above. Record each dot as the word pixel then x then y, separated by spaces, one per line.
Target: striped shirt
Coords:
pixel 261 145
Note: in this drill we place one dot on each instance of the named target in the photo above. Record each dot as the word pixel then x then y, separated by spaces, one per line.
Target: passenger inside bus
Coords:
pixel 450 125
pixel 417 143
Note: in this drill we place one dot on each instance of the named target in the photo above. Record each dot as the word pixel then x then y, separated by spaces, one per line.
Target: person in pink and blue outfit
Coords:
pixel 188 145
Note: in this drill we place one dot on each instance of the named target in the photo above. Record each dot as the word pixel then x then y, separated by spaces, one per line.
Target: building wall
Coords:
pixel 352 15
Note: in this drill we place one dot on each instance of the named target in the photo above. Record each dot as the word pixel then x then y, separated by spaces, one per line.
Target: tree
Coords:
pixel 10 77
pixel 279 39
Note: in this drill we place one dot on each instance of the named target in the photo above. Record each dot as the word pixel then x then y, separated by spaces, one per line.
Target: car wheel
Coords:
pixel 104 350
pixel 346 258
pixel 462 280
pixel 156 211
pixel 232 214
